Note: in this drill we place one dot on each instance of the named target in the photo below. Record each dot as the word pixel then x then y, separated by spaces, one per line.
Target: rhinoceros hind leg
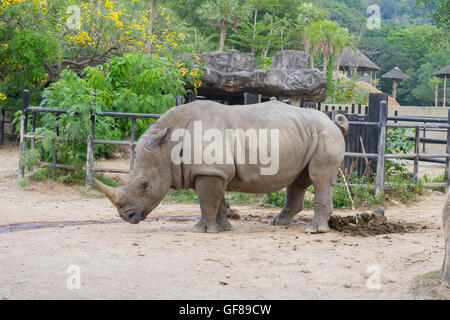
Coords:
pixel 221 219
pixel 294 201
pixel 210 191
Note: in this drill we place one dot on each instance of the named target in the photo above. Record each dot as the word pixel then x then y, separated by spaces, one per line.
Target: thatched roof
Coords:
pixel 443 72
pixel 365 85
pixel 396 74
pixel 351 58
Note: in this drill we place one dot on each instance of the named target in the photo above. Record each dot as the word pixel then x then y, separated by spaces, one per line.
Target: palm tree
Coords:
pixel 342 40
pixel 308 14
pixel 323 36
pixel 225 13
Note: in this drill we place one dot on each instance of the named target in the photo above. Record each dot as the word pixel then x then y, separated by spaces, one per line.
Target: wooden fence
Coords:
pixel 367 139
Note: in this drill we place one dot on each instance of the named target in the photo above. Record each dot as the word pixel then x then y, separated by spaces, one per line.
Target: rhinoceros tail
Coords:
pixel 341 122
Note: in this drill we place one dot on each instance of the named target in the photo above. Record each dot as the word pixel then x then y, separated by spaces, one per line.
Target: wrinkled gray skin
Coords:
pixel 446 222
pixel 311 150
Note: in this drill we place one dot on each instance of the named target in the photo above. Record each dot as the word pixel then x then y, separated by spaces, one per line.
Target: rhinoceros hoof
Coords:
pixel 224 225
pixel 280 222
pixel 230 214
pixel 206 227
pixel 317 228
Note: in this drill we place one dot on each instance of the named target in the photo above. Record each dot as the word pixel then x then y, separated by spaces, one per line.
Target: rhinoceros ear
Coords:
pixel 157 139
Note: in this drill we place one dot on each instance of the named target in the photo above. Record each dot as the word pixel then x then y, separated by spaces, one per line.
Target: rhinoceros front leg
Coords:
pixel 211 192
pixel 446 220
pixel 294 201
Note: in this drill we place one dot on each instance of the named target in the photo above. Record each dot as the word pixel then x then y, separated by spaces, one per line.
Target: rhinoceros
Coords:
pixel 446 222
pixel 307 146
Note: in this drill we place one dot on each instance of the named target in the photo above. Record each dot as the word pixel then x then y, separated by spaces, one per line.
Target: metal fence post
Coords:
pixel 23 128
pixel 90 146
pixel 381 149
pixel 133 142
pixel 416 151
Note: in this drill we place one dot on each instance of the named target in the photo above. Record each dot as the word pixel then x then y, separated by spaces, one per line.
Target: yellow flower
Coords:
pixel 184 71
pixel 2 96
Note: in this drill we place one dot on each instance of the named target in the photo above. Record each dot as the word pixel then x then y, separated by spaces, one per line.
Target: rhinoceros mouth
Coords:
pixel 134 218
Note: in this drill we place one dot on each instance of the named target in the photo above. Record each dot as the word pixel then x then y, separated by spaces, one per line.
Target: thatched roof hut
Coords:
pixel 396 75
pixel 444 73
pixel 352 59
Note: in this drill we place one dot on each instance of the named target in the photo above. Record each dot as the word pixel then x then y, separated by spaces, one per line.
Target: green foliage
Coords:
pixel 141 84
pixel 397 142
pixel 346 92
pixel 181 196
pixel 130 83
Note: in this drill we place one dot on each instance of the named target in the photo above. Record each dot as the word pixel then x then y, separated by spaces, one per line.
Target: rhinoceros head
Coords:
pixel 148 182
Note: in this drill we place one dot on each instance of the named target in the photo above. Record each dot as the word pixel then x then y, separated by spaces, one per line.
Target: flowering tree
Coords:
pixel 40 38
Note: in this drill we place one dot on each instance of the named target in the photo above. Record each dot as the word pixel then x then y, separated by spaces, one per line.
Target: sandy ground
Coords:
pixel 165 260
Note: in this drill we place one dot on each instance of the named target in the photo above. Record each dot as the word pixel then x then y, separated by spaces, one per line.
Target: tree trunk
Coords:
pixel 150 27
pixel 254 31
pixel 339 63
pixel 325 61
pixel 223 35
pixel 394 89
pixel 446 220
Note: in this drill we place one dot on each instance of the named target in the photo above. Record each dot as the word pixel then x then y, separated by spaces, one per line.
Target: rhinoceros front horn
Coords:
pixel 110 192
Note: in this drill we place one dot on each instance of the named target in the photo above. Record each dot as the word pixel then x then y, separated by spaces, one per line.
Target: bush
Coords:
pixel 132 83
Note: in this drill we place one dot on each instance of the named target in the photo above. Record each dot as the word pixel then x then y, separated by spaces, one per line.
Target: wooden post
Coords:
pixel 33 141
pixel 55 145
pixel 416 151
pixel 445 91
pixel 2 128
pixel 394 88
pixel 381 149
pixel 90 147
pixel 133 141
pixel 424 135
pixel 371 135
pixel 447 161
pixel 23 129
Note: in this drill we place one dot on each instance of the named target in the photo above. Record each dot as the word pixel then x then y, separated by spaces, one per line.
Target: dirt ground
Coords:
pixel 164 259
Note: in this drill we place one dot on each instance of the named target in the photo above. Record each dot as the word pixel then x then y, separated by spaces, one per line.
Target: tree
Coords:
pixel 440 13
pixel 224 14
pixel 342 40
pixel 268 35
pixel 323 35
pixel 308 14
pixel 258 5
pixel 434 83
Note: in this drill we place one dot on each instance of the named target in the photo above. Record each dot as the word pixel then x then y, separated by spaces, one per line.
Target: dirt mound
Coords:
pixel 365 224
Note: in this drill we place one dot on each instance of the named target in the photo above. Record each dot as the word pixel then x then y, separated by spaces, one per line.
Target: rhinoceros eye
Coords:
pixel 144 185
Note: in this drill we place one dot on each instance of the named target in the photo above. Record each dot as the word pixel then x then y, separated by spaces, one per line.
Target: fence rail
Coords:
pixel 91 141
pixel 380 125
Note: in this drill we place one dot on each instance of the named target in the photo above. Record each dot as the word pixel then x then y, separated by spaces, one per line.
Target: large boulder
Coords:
pixel 446 222
pixel 231 73
pixel 290 59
